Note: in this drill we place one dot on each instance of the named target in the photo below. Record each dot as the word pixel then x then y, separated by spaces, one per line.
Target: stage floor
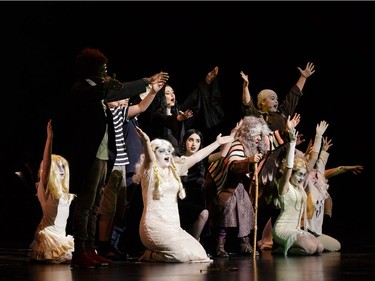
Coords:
pixel 337 266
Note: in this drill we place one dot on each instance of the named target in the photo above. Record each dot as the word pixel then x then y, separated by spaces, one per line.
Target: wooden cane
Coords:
pixel 255 209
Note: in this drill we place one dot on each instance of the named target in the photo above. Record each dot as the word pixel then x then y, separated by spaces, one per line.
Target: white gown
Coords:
pixel 287 227
pixel 160 229
pixel 50 242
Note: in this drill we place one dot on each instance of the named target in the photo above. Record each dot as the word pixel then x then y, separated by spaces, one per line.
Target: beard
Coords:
pixel 251 148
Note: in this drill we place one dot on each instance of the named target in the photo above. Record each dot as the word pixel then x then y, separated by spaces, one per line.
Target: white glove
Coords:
pixel 292 147
pixel 320 129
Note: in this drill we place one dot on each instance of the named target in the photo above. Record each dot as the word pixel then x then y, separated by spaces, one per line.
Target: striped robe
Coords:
pixel 227 186
pixel 226 175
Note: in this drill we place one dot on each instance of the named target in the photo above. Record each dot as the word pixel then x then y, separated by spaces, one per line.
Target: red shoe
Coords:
pixel 80 259
pixel 93 254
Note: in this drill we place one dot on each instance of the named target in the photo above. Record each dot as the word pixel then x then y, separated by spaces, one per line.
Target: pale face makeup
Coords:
pixel 192 144
pixel 61 169
pixel 298 176
pixel 163 155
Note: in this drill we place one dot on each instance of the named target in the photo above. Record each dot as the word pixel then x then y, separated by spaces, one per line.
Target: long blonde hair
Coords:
pixel 57 187
pixel 158 187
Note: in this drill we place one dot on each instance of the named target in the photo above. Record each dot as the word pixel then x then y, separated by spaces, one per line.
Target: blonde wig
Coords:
pixel 57 187
pixel 156 171
pixel 300 162
pixel 263 95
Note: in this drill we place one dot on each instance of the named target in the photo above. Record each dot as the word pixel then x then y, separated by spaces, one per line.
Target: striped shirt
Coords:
pixel 119 115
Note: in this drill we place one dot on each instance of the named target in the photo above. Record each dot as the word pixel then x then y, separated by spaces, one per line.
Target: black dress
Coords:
pixel 194 202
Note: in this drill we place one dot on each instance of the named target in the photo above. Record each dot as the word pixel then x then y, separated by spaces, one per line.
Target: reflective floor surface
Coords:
pixel 349 266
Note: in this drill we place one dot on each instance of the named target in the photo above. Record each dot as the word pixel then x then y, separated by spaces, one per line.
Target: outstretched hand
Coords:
pixel 142 134
pixel 308 71
pixel 185 115
pixel 49 129
pixel 224 139
pixel 327 143
pixel 292 123
pixel 357 169
pixel 159 78
pixel 235 129
pixel 211 75
pixel 321 127
pixel 245 78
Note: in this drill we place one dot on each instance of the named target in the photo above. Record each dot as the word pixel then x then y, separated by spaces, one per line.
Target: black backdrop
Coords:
pixel 267 40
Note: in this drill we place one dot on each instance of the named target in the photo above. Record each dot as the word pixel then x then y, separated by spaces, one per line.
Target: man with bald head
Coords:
pixel 268 106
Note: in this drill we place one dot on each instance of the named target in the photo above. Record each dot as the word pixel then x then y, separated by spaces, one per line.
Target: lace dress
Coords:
pixel 51 244
pixel 160 229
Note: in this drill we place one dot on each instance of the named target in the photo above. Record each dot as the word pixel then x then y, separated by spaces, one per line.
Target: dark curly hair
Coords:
pixel 88 63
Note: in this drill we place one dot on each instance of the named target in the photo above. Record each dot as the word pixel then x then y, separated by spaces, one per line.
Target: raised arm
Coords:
pixel 291 123
pixel 246 98
pixel 137 109
pixel 134 88
pixel 306 73
pixel 149 154
pixel 279 137
pixel 159 78
pixel 204 152
pixel 284 181
pixel 323 155
pixel 224 148
pixel 47 154
pixel 314 152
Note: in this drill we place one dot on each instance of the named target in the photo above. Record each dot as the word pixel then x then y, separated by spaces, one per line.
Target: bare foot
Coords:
pixel 267 245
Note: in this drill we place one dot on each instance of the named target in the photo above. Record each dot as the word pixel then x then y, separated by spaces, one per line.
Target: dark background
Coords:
pixel 267 40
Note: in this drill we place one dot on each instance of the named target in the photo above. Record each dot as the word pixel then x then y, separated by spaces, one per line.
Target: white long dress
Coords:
pixel 287 227
pixel 160 229
pixel 51 244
